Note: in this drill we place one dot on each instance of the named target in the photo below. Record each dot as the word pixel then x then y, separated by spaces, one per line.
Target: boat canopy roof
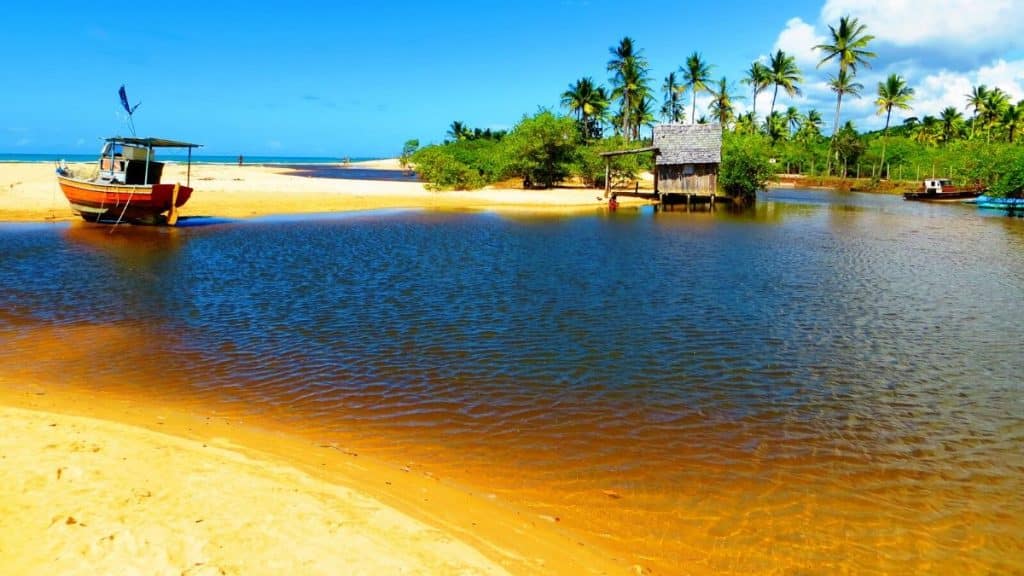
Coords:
pixel 151 142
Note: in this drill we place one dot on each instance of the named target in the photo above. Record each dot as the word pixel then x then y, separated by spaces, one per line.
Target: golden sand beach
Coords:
pixel 29 192
pixel 109 483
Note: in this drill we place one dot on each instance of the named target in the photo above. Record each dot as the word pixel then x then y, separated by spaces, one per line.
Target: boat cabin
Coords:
pixel 122 163
pixel 132 161
pixel 935 185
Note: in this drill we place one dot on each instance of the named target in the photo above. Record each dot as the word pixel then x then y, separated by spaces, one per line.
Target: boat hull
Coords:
pixel 1000 203
pixel 96 202
pixel 952 196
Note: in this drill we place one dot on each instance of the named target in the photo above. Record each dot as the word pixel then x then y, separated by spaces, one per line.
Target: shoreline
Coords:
pixel 108 480
pixel 29 193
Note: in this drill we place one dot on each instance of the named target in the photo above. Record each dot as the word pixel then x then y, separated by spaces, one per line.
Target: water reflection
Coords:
pixel 129 243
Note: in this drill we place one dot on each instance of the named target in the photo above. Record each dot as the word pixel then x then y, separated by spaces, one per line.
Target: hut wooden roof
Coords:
pixel 688 143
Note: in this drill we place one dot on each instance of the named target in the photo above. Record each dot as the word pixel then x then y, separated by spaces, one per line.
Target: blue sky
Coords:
pixel 359 78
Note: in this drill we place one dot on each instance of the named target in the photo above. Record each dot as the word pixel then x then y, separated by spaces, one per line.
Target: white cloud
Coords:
pixel 984 24
pixel 941 90
pixel 798 39
pixel 945 88
pixel 941 47
pixel 1006 75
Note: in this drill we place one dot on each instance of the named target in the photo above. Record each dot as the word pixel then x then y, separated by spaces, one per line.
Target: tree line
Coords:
pixel 614 116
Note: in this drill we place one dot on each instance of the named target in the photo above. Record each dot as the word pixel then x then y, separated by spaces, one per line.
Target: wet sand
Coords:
pixel 29 192
pixel 101 482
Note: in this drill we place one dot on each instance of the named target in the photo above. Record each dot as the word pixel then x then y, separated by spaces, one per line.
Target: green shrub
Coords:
pixel 1011 181
pixel 542 148
pixel 440 168
pixel 745 166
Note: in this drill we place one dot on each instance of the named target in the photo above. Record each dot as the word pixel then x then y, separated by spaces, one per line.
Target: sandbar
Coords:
pixel 29 192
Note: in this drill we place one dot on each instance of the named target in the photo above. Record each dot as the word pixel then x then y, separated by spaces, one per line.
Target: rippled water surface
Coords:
pixel 830 383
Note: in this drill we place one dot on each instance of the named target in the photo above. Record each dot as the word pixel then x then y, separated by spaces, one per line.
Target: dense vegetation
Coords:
pixel 546 148
pixel 542 150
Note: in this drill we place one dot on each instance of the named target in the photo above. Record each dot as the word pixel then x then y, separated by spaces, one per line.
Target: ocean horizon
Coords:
pixel 196 158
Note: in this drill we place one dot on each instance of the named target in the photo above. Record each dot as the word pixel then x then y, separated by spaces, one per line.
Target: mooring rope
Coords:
pixel 125 209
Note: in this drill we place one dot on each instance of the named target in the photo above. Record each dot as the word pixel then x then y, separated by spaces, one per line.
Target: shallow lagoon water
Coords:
pixel 828 383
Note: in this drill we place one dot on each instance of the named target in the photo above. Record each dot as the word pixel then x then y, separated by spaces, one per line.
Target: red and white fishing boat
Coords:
pixel 127 186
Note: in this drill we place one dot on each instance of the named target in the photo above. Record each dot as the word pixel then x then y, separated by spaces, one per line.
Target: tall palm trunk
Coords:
pixel 693 114
pixel 835 129
pixel 885 140
pixel 625 115
pixel 754 108
pixel 774 96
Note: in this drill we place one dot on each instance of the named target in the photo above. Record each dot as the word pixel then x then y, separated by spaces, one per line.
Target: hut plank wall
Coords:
pixel 688 178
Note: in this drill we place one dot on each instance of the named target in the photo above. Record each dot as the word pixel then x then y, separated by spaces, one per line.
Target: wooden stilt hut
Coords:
pixel 686 161
pixel 688 158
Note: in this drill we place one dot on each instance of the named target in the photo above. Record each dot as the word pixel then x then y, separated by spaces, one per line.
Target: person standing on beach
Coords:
pixel 240 159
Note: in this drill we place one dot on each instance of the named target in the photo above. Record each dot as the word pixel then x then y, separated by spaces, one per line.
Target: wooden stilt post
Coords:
pixel 655 162
pixel 607 177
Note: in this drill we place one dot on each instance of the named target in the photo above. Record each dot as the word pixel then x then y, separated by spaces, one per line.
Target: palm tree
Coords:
pixel 810 126
pixel 643 115
pixel 696 75
pixel 775 126
pixel 629 82
pixel 996 103
pixel 951 121
pixel 893 93
pixel 458 131
pixel 758 77
pixel 784 72
pixel 848 145
pixel 672 110
pixel 976 99
pixel 721 103
pixel 928 130
pixel 793 119
pixel 746 123
pixel 1013 119
pixel 849 48
pixel 843 84
pixel 587 102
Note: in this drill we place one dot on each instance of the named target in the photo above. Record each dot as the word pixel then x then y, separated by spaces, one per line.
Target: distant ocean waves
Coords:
pixel 196 158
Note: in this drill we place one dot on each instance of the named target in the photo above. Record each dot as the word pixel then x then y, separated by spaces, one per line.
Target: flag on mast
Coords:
pixel 124 101
pixel 129 109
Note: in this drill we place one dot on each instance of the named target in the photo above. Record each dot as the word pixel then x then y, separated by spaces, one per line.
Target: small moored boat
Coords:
pixel 127 186
pixel 943 190
pixel 999 202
